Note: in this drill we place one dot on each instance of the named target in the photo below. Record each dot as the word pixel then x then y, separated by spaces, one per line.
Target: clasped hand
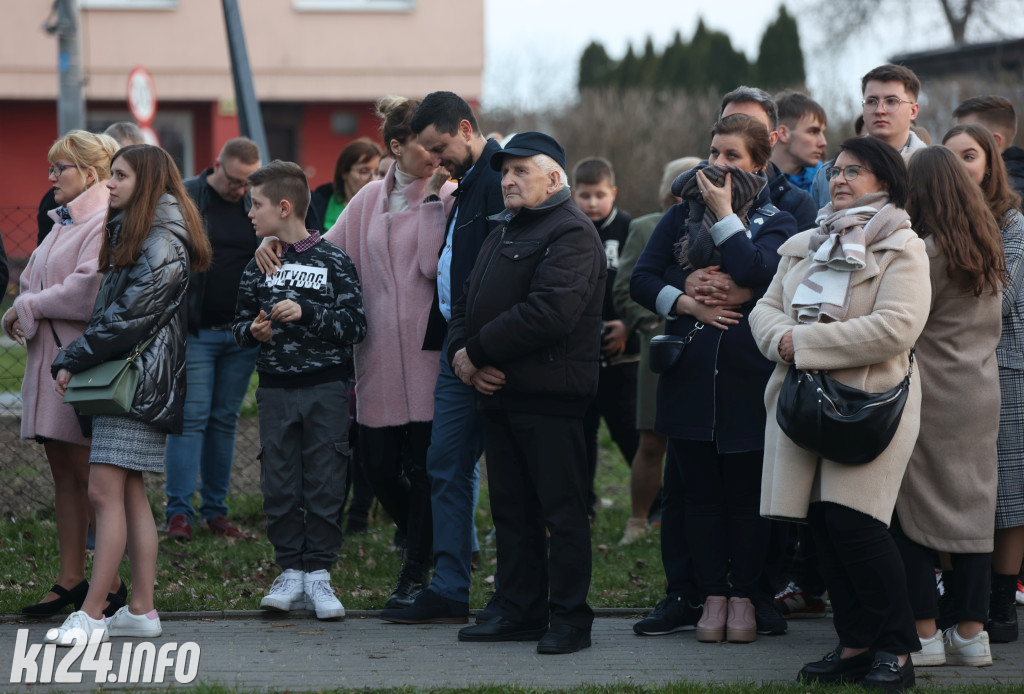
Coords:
pixel 487 380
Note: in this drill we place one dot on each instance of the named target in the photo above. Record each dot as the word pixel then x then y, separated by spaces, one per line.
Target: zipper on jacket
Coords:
pixel 487 268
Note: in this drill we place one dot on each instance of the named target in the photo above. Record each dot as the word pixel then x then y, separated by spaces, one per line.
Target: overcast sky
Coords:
pixel 533 46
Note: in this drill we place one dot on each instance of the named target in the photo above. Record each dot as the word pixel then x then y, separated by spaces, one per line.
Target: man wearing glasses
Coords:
pixel 890 108
pixel 217 369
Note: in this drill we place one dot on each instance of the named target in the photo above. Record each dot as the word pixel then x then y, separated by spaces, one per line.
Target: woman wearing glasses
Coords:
pixel 850 298
pixel 710 403
pixel 58 287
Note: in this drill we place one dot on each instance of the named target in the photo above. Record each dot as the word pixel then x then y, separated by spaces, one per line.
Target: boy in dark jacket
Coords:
pixel 594 191
pixel 304 319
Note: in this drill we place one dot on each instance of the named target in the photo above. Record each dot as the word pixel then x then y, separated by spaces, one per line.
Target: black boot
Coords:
pixel 412 579
pixel 1002 609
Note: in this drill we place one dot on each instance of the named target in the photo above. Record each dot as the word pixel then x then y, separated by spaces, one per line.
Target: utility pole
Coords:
pixel 70 101
pixel 250 120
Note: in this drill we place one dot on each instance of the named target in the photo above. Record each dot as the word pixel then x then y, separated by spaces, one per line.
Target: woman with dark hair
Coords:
pixel 710 403
pixel 356 166
pixel 850 297
pixel 948 499
pixel 977 148
pixel 153 235
pixel 58 288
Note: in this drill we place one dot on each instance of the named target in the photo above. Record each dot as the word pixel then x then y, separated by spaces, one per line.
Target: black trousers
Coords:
pixel 865 579
pixel 616 402
pixel 358 492
pixel 970 586
pixel 675 555
pixel 537 477
pixel 395 461
pixel 726 536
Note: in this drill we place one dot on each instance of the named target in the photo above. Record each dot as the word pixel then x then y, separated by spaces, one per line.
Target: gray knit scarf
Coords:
pixel 696 249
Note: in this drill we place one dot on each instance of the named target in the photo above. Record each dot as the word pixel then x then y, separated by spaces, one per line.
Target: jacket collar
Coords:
pixel 527 213
pixel 482 163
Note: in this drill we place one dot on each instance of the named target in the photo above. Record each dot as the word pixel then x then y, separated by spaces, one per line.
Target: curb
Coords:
pixel 606 612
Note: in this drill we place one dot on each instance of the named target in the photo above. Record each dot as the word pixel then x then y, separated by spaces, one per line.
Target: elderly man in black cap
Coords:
pixel 527 336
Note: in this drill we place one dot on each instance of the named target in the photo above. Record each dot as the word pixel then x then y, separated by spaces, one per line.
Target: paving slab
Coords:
pixel 294 652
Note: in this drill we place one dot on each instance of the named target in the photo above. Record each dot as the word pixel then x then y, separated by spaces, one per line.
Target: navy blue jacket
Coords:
pixel 788 197
pixel 716 392
pixel 477 198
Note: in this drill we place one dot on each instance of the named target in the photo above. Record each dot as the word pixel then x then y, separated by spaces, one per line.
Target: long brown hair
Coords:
pixel 999 194
pixel 155 174
pixel 945 203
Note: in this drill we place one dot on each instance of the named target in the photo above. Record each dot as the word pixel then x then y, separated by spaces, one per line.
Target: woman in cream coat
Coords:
pixel 864 344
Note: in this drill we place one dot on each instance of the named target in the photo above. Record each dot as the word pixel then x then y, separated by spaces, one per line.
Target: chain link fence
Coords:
pixel 25 481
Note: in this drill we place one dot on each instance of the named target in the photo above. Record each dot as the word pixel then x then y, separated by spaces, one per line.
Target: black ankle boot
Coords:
pixel 1002 610
pixel 412 579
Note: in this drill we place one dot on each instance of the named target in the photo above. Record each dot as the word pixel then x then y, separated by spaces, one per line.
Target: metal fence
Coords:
pixel 25 481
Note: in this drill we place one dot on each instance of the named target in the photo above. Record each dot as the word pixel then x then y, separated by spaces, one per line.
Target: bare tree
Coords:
pixel 843 21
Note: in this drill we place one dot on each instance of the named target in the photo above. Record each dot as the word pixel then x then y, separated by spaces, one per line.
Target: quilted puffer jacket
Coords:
pixel 139 301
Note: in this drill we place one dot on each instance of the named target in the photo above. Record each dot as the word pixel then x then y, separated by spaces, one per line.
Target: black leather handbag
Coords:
pixel 836 421
pixel 667 350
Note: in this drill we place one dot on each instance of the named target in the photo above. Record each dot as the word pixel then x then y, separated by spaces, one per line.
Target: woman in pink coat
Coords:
pixel 392 230
pixel 58 289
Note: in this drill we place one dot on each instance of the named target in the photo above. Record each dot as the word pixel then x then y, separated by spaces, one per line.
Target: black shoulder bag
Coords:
pixel 839 422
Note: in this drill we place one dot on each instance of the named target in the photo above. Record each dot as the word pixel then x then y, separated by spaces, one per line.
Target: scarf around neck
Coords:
pixel 837 249
pixel 696 249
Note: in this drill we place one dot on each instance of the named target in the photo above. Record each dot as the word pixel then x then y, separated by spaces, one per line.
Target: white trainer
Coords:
pixel 973 651
pixel 320 596
pixel 77 623
pixel 933 651
pixel 124 623
pixel 285 592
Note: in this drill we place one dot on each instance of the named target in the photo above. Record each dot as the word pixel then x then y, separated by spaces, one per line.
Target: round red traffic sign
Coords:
pixel 142 95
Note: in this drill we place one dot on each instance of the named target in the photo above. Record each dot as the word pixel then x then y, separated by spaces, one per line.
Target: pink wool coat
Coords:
pixel 60 284
pixel 396 257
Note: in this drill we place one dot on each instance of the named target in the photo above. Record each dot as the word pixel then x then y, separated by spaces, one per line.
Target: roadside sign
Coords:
pixel 142 95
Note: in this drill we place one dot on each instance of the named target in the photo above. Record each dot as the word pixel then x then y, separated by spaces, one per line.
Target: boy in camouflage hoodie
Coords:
pixel 304 319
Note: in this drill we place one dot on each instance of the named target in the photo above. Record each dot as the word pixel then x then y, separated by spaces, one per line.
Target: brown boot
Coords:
pixel 741 627
pixel 711 627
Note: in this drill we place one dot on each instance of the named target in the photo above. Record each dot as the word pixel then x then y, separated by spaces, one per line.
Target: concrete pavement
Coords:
pixel 251 650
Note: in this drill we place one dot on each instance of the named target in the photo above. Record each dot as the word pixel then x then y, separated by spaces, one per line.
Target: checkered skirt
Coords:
pixel 127 443
pixel 1010 498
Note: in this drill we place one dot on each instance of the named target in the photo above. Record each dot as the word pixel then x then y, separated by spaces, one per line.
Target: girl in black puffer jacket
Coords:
pixel 153 235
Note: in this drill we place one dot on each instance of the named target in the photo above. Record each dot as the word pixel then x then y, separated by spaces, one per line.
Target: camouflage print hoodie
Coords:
pixel 317 348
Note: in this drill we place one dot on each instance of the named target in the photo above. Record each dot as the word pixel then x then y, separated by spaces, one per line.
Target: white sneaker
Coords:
pixel 285 592
pixel 933 651
pixel 973 651
pixel 80 622
pixel 124 623
pixel 1020 592
pixel 320 596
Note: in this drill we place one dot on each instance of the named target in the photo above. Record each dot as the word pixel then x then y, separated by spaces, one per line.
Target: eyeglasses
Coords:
pixel 232 181
pixel 850 173
pixel 892 103
pixel 56 170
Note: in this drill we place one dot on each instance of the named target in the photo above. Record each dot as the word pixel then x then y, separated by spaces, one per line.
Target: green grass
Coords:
pixel 12 368
pixel 210 573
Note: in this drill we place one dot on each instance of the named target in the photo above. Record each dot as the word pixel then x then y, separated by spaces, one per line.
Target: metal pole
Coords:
pixel 70 101
pixel 250 121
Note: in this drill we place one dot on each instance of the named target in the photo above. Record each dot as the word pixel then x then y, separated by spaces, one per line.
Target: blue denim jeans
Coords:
pixel 456 443
pixel 218 373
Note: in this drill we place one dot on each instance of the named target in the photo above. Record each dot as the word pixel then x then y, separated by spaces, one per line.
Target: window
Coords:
pixel 354 5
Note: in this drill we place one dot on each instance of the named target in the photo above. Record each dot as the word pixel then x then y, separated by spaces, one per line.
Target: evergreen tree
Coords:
pixel 672 67
pixel 596 68
pixel 780 62
pixel 630 71
pixel 649 63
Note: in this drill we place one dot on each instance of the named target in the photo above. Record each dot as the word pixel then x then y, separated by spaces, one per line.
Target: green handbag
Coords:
pixel 107 388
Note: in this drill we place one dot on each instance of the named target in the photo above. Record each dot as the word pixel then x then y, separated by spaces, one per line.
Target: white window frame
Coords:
pixel 128 4
pixel 182 120
pixel 354 5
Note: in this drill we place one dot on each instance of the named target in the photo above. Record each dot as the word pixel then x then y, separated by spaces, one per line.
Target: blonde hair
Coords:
pixel 395 113
pixel 85 150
